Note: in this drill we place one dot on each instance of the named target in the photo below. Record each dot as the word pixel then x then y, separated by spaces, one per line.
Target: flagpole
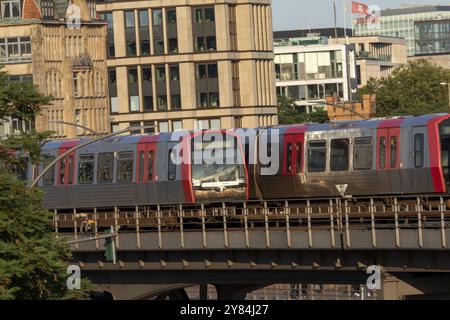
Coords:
pixel 335 20
pixel 344 5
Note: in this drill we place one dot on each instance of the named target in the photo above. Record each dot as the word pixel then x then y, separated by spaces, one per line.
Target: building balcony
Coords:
pixel 365 55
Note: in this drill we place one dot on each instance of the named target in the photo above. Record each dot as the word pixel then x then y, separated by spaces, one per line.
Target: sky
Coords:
pixel 302 14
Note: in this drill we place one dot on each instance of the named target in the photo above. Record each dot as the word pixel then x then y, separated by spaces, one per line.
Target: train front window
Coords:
pixel 217 163
pixel 444 130
pixel 49 176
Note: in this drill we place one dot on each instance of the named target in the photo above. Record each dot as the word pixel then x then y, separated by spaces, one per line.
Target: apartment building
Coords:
pixel 194 65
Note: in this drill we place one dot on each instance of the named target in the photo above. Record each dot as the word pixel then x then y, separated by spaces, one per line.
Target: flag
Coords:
pixel 360 8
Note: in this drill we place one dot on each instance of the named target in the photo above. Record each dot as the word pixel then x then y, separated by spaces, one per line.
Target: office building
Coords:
pixel 194 65
pixel 401 23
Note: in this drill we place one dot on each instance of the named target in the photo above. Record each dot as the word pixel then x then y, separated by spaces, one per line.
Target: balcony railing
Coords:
pixel 365 55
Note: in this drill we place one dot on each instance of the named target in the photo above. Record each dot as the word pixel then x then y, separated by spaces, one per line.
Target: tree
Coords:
pixel 411 89
pixel 289 113
pixel 32 261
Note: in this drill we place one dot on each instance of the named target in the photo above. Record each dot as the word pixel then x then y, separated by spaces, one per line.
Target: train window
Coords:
pixel 288 157
pixel 419 150
pixel 86 168
pixel 382 152
pixel 339 155
pixel 393 158
pixel 125 166
pixel 171 168
pixel 105 167
pixel 141 165
pixel 299 157
pixel 70 178
pixel 150 166
pixel 62 169
pixel 317 156
pixel 49 176
pixel 362 153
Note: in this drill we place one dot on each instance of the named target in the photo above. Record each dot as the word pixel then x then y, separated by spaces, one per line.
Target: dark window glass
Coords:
pixel 159 47
pixel 201 44
pixel 171 168
pixel 211 43
pixel 112 76
pixel 299 157
pixel 157 17
pixel 393 158
pixel 148 103
pixel 173 45
pixel 141 165
pixel 212 70
pixel 150 130
pixel 147 74
pixel 162 102
pixel 288 157
pixel 339 155
pixel 176 102
pixel 150 166
pixel 201 73
pixel 209 15
pixel 132 76
pixel 198 15
pixel 49 177
pixel 160 73
pixel 362 154
pixel 382 152
pixel 174 73
pixel 105 167
pixel 214 99
pixel 62 169
pixel 145 47
pixel 125 167
pixel 171 16
pixel 86 169
pixel 317 156
pixel 419 148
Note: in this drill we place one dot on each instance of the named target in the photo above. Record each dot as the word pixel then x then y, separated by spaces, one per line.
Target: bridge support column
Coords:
pixel 235 291
pixel 396 289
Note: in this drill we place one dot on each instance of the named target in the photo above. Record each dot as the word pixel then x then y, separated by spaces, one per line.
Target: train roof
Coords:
pixel 405 121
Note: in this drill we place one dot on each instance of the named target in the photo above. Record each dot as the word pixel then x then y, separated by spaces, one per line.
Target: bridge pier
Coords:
pixel 416 286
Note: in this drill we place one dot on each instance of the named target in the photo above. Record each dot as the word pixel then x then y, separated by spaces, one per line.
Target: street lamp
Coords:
pixel 447 84
pixel 77 147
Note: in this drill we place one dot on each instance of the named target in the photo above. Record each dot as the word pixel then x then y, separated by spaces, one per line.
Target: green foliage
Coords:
pixel 289 113
pixel 411 89
pixel 32 261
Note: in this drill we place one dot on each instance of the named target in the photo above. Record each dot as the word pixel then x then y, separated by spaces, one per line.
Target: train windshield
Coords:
pixel 444 130
pixel 217 163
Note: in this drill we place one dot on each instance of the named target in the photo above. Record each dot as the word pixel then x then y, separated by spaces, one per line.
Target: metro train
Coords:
pixel 391 156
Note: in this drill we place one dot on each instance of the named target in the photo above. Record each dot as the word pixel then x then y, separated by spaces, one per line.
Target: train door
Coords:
pixel 66 168
pixel 293 154
pixel 388 148
pixel 388 158
pixel 417 145
pixel 146 172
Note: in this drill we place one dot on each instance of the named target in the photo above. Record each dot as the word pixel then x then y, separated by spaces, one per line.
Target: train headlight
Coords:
pixel 196 183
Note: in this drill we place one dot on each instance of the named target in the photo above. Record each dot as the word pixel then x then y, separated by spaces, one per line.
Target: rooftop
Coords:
pixel 412 10
pixel 300 33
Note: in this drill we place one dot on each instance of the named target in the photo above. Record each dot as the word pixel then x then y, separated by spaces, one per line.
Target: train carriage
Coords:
pixel 395 156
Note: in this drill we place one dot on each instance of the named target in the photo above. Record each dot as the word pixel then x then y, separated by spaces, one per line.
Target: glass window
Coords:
pixel 147 74
pixel 382 151
pixel 339 155
pixel 160 73
pixel 148 103
pixel 209 15
pixel 393 158
pixel 143 18
pixel 201 71
pixel 198 15
pixel 176 102
pixel 174 73
pixel 49 177
pixel 419 150
pixel 171 16
pixel 163 126
pixel 211 43
pixel 141 165
pixel 299 156
pixel 150 130
pixel 214 124
pixel 114 105
pixel 132 76
pixel 157 17
pixel 150 166
pixel 362 153
pixel 173 45
pixel 317 156
pixel 177 125
pixel 86 168
pixel 214 99
pixel 134 103
pixel 129 19
pixel 288 157
pixel 105 167
pixel 212 71
pixel 125 166
pixel 171 168
pixel 162 102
